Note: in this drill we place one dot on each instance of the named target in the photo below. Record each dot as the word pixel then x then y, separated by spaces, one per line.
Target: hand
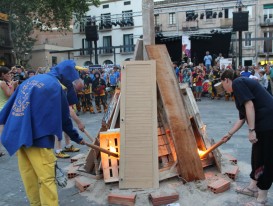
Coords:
pixel 81 126
pixel 82 142
pixel 252 137
pixel 226 137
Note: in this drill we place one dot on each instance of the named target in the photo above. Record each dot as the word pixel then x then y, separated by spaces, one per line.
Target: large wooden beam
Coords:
pixel 148 24
pixel 189 163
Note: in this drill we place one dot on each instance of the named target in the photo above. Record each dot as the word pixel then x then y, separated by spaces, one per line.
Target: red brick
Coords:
pixel 232 172
pixel 72 172
pixel 219 186
pixel 163 199
pixel 119 199
pixel 82 183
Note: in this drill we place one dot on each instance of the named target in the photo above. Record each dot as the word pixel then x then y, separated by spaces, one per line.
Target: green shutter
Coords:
pixel 268 6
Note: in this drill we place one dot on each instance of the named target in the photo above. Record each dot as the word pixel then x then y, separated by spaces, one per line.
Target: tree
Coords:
pixel 25 15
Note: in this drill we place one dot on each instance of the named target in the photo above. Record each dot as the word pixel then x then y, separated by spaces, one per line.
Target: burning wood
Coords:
pixel 213 147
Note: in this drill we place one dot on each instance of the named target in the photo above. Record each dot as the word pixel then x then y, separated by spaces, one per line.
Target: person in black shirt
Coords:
pixel 255 106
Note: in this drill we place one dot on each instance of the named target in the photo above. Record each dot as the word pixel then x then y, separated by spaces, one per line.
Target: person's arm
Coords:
pixel 76 119
pixel 8 90
pixel 250 116
pixel 67 123
pixel 234 129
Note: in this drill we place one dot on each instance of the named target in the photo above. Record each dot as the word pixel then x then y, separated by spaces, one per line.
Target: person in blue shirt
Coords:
pixel 245 73
pixel 208 61
pixel 36 113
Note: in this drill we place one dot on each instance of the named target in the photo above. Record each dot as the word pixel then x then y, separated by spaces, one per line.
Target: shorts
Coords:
pixel 198 88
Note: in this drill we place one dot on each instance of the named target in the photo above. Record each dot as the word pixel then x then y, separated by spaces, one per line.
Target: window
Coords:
pixel 157 20
pixel 268 13
pixel 208 14
pixel 128 42
pixel 172 18
pixel 106 20
pixel 82 27
pixel 85 45
pixel 105 6
pixel 107 42
pixel 54 60
pixel 248 39
pixel 127 3
pixel 268 42
pixel 127 18
pixel 230 13
pixel 190 15
pixel 226 13
pixel 249 9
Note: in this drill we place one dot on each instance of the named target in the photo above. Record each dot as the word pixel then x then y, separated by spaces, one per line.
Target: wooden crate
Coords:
pixel 110 140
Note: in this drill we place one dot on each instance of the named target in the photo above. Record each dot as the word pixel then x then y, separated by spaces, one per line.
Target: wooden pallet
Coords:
pixel 110 165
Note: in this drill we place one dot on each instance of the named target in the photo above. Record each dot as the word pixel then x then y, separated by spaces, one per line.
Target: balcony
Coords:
pixel 106 51
pixel 126 23
pixel 127 49
pixel 158 28
pixel 226 23
pixel 267 23
pixel 190 26
pixel 105 26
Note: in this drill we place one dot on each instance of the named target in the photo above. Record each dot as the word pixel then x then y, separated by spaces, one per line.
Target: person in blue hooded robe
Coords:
pixel 36 113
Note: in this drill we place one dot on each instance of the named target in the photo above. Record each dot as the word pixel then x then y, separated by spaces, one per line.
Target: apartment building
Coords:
pixel 201 20
pixel 7 58
pixel 119 25
pixel 48 41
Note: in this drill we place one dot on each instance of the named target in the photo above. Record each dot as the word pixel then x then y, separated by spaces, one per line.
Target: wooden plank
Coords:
pixel 115 116
pixel 168 173
pixel 138 54
pixel 139 140
pixel 91 157
pixel 107 118
pixel 189 163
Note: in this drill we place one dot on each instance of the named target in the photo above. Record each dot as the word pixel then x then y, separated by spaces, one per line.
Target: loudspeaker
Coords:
pixel 240 21
pixel 91 33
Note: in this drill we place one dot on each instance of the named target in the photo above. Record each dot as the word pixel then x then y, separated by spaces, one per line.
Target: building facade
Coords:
pixel 7 57
pixel 202 19
pixel 48 41
pixel 119 25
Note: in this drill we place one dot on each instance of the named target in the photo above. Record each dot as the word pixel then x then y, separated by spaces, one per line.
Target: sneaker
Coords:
pixel 71 149
pixel 62 155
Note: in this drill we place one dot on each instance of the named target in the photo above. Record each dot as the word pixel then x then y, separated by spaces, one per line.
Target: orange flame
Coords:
pixel 112 149
pixel 200 152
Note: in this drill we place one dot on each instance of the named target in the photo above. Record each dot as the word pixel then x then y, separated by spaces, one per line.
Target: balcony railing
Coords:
pixel 267 23
pixel 111 50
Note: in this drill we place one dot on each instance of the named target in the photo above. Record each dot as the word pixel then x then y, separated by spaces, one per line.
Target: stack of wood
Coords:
pixel 160 127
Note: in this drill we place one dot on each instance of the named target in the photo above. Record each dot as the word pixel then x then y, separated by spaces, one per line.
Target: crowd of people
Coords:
pixel 204 79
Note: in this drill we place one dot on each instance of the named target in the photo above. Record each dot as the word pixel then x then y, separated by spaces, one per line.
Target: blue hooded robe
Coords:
pixel 38 110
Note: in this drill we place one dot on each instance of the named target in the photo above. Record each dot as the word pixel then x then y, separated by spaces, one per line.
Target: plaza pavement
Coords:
pixel 217 115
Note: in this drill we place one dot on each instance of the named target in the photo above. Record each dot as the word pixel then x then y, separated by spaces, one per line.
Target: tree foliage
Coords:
pixel 25 15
